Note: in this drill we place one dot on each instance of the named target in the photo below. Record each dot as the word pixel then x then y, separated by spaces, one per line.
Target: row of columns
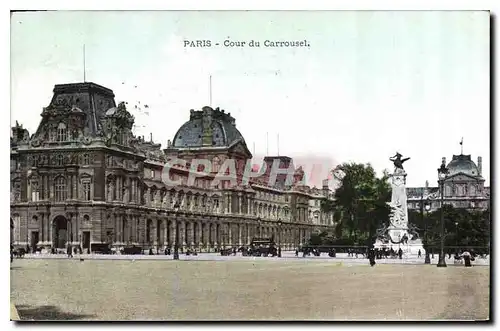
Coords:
pixel 123 189
pixel 160 232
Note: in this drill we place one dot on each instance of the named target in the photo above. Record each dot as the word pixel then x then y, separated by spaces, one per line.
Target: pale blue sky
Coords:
pixel 371 83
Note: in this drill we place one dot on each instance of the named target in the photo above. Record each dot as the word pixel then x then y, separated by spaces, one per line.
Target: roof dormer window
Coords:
pixel 62 132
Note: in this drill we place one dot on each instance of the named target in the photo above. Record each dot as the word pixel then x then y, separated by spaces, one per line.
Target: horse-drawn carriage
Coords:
pixel 18 252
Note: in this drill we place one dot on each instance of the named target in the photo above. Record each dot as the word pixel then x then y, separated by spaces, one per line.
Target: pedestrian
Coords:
pixel 467 259
pixel 69 251
pixel 419 253
pixel 371 257
pixel 296 252
pixel 400 253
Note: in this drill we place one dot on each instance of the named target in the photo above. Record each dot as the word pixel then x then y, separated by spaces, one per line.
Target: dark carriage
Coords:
pixel 263 247
pixel 131 250
pixel 102 249
pixel 19 252
pixel 226 251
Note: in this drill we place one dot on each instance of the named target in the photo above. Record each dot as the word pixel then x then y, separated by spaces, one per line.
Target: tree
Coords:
pixel 463 229
pixel 360 202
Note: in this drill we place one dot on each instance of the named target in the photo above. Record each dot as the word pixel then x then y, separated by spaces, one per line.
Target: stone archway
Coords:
pixel 60 232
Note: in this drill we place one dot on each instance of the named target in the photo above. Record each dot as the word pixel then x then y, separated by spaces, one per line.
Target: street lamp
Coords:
pixel 427 209
pixel 456 237
pixel 176 247
pixel 442 173
pixel 279 238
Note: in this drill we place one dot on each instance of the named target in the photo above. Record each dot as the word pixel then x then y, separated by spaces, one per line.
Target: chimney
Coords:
pixel 480 165
pixel 325 188
pixel 444 161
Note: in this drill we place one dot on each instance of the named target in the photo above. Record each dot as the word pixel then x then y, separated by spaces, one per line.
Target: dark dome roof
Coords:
pixel 462 164
pixel 219 126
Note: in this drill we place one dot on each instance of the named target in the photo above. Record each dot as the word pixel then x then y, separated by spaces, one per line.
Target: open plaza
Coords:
pixel 212 287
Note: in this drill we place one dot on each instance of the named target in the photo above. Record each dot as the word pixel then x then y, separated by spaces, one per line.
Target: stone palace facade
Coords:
pixel 84 178
pixel 463 187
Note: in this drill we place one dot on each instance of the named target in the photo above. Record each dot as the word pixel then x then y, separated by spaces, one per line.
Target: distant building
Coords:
pixel 84 178
pixel 463 187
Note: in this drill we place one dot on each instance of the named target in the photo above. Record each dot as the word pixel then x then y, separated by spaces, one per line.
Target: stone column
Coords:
pixel 248 233
pixel 200 234
pixel 168 232
pixel 49 231
pixel 219 230
pixel 75 187
pixel 240 204
pixel 175 240
pixel 230 234
pixel 191 231
pixel 182 231
pixel 239 234
pixel 74 229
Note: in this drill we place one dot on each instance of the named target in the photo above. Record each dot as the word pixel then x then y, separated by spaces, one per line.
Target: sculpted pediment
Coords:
pixel 461 177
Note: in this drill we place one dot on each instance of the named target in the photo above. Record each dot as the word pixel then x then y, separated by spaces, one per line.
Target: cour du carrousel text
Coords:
pixel 228 43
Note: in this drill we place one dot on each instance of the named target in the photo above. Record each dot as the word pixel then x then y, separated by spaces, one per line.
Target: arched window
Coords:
pixel 60 189
pixel 62 132
pixel 86 189
pixel 35 191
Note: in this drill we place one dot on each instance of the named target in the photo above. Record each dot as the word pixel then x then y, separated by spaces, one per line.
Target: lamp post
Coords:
pixel 279 238
pixel 427 208
pixel 442 173
pixel 176 247
pixel 456 237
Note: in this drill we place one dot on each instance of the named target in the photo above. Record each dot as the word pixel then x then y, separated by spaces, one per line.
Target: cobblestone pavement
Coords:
pixel 245 289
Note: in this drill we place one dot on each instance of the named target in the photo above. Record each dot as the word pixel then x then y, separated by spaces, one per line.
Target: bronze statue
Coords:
pixel 398 162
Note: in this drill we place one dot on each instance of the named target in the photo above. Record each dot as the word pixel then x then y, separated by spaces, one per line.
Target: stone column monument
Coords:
pixel 398 227
pixel 397 234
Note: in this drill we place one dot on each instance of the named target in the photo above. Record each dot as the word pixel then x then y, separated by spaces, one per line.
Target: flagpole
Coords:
pixel 84 78
pixel 210 90
pixel 278 138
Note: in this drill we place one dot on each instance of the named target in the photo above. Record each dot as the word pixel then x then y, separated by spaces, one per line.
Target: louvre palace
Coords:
pixel 83 178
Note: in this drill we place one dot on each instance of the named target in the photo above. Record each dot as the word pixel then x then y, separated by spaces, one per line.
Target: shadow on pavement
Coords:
pixel 47 313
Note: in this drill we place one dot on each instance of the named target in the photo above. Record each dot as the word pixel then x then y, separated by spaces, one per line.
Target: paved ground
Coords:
pixel 259 289
pixel 342 257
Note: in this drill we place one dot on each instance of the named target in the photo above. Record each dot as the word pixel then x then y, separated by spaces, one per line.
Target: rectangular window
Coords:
pixel 86 191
